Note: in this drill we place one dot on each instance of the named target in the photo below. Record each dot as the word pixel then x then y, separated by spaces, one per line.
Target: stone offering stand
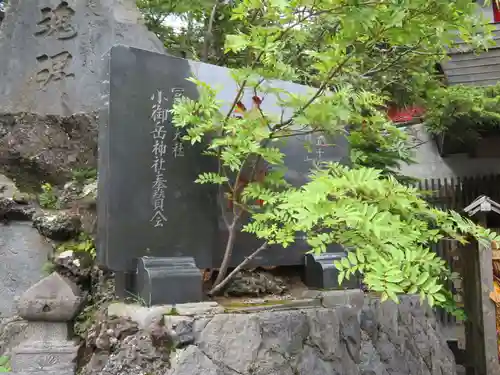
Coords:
pixel 49 307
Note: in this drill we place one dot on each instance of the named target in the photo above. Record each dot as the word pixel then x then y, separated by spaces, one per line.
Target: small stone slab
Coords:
pixel 334 298
pixel 199 308
pixel 163 281
pixel 277 305
pixel 45 356
pixel 53 299
pixel 321 273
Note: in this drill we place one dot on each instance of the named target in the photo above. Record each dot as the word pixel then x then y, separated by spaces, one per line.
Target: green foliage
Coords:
pixel 195 16
pixel 48 197
pixel 5 364
pixel 381 147
pixel 82 175
pixel 353 51
pixel 387 226
pixel 84 243
pixel 463 112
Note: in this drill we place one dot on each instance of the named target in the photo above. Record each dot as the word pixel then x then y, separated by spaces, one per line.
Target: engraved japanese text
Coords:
pixel 57 22
pixel 53 68
pixel 318 148
pixel 159 114
pixel 178 147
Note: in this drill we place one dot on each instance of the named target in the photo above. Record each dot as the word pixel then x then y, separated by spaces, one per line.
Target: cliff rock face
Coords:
pixel 46 148
pixel 372 339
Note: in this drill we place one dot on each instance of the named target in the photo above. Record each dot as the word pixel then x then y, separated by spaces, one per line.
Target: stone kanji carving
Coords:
pixel 53 68
pixel 57 22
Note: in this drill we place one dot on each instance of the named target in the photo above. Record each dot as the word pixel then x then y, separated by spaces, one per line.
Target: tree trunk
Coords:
pixel 218 287
pixel 227 254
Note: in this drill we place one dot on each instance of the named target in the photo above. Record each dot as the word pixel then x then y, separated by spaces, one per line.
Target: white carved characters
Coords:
pixel 159 114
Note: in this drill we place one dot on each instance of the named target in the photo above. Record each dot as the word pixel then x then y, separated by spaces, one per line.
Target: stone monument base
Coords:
pixel 168 280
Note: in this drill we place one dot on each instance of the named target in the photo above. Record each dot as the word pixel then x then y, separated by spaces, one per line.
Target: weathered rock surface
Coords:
pixel 12 333
pixel 23 253
pixel 255 283
pixel 11 209
pixel 36 148
pixel 373 339
pixel 75 265
pixel 80 194
pixel 58 226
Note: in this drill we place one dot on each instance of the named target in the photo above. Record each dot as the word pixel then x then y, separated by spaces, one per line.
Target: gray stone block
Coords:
pixel 54 298
pixel 50 52
pixel 168 280
pixel 334 298
pixel 32 357
pixel 321 273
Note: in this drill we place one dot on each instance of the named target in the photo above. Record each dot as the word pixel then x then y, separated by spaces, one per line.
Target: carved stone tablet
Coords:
pixel 51 51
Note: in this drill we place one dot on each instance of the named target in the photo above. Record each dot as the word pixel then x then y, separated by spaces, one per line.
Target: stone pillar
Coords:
pixel 49 306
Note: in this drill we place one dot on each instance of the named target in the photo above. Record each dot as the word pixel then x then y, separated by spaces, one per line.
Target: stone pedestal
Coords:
pixel 49 306
pixel 321 273
pixel 168 280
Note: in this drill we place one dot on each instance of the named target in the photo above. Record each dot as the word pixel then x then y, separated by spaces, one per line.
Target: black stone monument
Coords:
pixel 149 206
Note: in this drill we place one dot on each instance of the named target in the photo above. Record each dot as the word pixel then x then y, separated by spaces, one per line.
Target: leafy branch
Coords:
pixel 384 224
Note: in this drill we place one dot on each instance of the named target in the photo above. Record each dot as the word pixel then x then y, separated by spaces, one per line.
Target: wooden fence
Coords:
pixel 456 194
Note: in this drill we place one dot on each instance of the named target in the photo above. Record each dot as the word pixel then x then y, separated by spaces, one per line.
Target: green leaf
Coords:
pixel 424 277
pixel 439 297
pixel 345 263
pixel 413 289
pixel 338 265
pixel 435 288
pixel 236 43
pixel 341 277
pixel 384 297
pixel 352 258
pixel 393 296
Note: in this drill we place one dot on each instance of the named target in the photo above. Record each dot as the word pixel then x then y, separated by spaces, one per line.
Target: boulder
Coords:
pixel 58 226
pixel 15 210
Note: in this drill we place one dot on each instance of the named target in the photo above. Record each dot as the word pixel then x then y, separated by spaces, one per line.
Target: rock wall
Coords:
pixel 363 338
pixel 46 148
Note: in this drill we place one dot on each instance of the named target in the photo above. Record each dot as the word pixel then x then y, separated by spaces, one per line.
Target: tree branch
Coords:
pixel 218 287
pixel 208 34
